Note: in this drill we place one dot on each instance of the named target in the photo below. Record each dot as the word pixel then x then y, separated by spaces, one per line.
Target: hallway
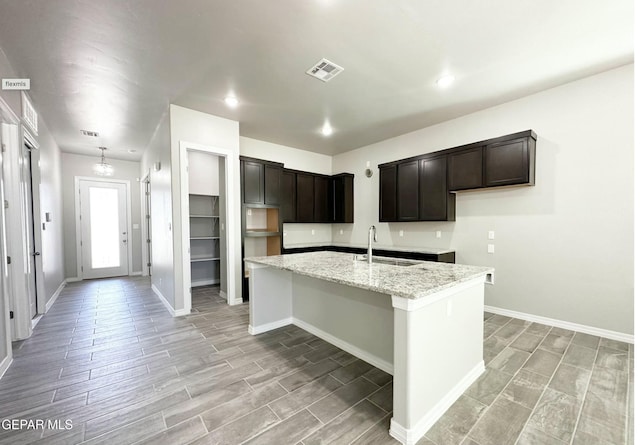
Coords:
pixel 110 359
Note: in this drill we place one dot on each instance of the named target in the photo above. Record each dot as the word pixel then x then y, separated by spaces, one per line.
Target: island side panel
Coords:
pixel 356 320
pixel 270 295
pixel 438 354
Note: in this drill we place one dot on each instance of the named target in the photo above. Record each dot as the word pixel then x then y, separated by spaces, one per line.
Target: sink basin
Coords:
pixel 389 261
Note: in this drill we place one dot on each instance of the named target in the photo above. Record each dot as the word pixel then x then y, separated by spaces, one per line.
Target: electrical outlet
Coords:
pixel 341 232
pixel 284 233
pixel 491 248
pixel 491 234
pixel 438 234
pixel 402 233
pixel 313 232
pixel 248 212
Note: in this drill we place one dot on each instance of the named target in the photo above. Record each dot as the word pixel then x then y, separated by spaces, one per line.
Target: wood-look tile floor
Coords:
pixel 109 359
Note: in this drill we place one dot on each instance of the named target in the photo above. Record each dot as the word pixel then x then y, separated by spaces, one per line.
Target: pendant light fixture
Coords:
pixel 103 168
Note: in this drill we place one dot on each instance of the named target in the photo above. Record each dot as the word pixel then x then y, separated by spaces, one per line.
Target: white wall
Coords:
pixel 563 248
pixel 79 165
pixel 158 152
pixel 204 129
pixel 296 159
pixel 203 174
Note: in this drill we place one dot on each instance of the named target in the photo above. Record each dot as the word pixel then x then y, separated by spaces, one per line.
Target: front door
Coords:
pixel 104 237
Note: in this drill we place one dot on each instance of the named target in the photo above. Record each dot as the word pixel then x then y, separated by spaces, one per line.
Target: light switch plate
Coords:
pixel 492 234
pixel 438 234
pixel 491 248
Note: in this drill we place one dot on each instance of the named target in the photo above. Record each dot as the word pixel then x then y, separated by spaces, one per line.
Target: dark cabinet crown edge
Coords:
pixel 447 151
pixel 262 161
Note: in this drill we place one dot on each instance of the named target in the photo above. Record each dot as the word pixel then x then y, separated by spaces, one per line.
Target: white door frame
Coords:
pixel 7 116
pixel 29 139
pixel 143 218
pixel 231 224
pixel 76 189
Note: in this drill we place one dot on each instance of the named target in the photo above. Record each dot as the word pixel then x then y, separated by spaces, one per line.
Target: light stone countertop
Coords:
pixel 413 282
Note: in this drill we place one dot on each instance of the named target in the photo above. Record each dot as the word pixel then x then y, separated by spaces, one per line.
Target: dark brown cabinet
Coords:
pixel 436 203
pixel 342 195
pixel 506 160
pixel 321 201
pixel 507 163
pixel 304 198
pixel 416 190
pixel 272 178
pixel 388 199
pixel 408 198
pixel 288 196
pixel 465 169
pixel 260 181
pixel 253 182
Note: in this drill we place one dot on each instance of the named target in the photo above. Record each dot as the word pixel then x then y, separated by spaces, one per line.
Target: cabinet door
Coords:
pixel 342 193
pixel 507 163
pixel 272 177
pixel 465 169
pixel 304 197
pixel 321 201
pixel 288 196
pixel 252 182
pixel 436 203
pixel 388 189
pixel 408 191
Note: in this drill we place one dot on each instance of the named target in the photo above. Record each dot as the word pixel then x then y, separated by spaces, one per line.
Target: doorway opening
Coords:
pixel 102 227
pixel 209 238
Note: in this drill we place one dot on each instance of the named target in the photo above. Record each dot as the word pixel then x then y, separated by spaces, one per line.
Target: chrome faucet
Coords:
pixel 373 237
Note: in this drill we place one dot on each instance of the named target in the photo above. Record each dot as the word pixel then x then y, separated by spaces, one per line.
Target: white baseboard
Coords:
pixel 72 279
pixel 345 346
pixel 223 294
pixel 613 335
pixel 236 302
pixel 255 330
pixel 4 365
pixel 413 435
pixel 55 296
pixel 163 299
pixel 136 274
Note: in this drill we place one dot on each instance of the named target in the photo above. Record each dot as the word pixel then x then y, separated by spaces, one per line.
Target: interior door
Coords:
pixel 31 240
pixel 104 237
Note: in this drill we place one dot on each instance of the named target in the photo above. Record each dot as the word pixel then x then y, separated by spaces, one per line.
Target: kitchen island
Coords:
pixel 420 321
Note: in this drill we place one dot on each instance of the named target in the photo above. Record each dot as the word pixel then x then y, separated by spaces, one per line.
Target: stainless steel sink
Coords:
pixel 386 260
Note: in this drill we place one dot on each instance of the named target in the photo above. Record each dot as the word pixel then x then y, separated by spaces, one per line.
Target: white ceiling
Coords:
pixel 113 66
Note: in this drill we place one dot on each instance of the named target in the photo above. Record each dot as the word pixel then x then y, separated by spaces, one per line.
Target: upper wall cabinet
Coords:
pixel 288 196
pixel 416 190
pixel 507 160
pixel 342 194
pixel 260 181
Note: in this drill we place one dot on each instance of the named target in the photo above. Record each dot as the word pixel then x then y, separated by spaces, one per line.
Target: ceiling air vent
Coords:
pixel 92 134
pixel 325 70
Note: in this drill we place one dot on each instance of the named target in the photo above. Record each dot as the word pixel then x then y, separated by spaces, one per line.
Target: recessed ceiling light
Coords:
pixel 326 129
pixel 231 101
pixel 445 81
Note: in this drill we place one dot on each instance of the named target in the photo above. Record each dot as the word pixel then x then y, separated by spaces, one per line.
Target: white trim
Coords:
pixel 255 330
pixel 136 274
pixel 345 346
pixel 72 279
pixel 223 294
pixel 413 304
pixel 35 320
pixel 204 283
pixel 55 296
pixel 231 172
pixel 164 301
pixel 413 435
pixel 4 365
pixel 7 114
pixel 599 332
pixel 76 190
pixel 143 222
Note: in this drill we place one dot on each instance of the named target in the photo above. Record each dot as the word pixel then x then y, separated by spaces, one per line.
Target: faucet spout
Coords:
pixel 373 237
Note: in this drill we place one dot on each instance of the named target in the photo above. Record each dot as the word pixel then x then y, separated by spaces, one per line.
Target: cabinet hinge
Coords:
pixel 11 315
pixel 6 204
pixel 148 264
pixel 81 268
pixel 8 260
pixel 4 148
